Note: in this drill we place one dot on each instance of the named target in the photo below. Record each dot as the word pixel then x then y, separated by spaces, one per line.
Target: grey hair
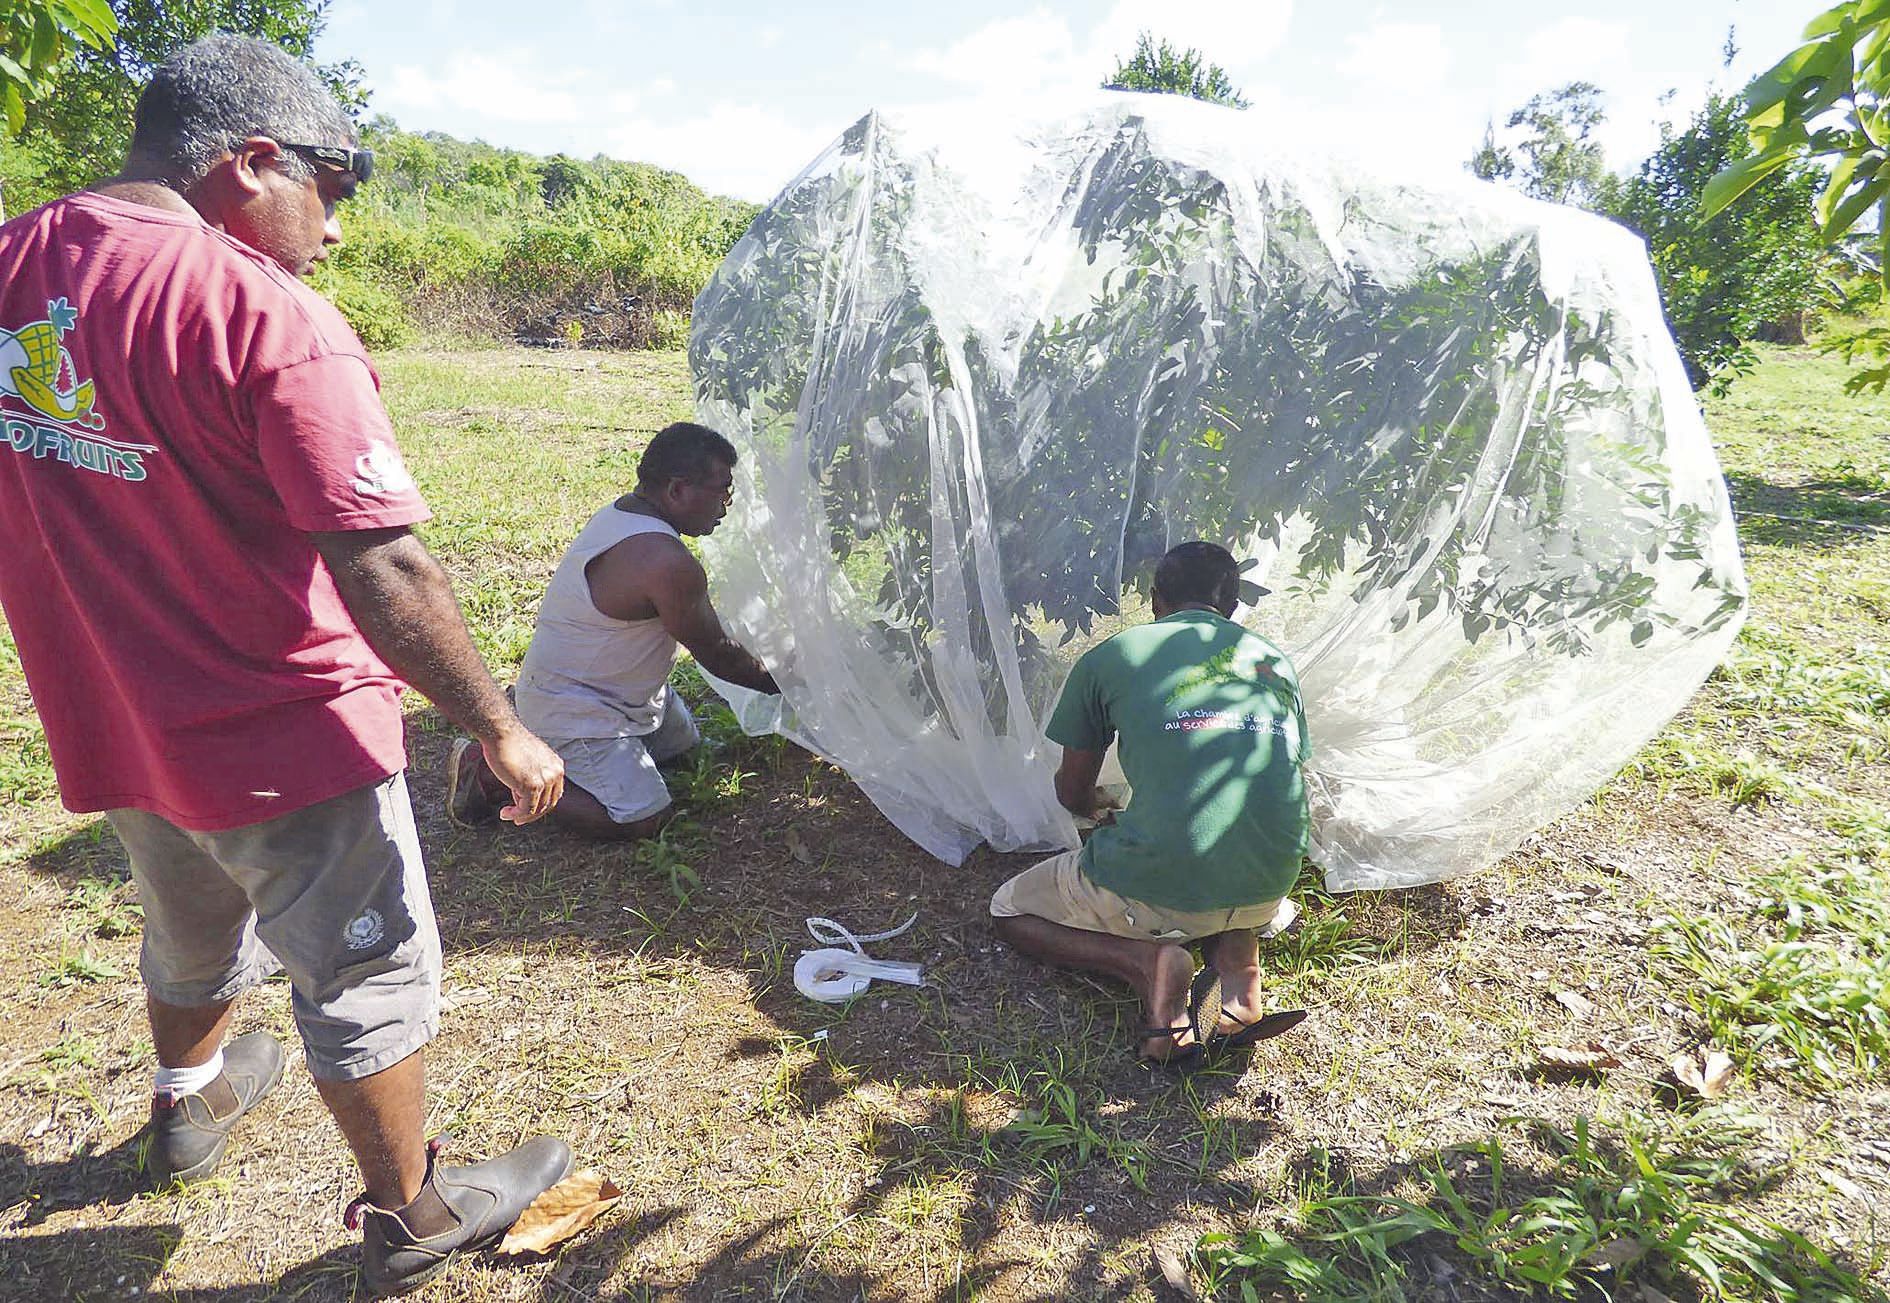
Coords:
pixel 222 89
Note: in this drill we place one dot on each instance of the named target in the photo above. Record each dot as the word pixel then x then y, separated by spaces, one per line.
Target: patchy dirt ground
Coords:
pixel 986 1135
pixel 773 1148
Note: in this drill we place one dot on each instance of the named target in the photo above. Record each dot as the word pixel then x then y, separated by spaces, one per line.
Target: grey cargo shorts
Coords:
pixel 334 895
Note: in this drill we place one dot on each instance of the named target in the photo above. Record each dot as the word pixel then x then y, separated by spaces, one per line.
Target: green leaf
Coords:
pixel 1737 178
pixel 13 72
pixel 1829 21
pixel 45 50
pixel 16 109
pixel 93 19
pixel 1822 59
pixel 1845 215
pixel 1834 188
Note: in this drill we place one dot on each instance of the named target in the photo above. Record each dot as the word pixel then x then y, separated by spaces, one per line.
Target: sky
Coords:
pixel 739 97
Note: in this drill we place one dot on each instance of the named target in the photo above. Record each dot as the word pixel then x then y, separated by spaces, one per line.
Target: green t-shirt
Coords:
pixel 1212 739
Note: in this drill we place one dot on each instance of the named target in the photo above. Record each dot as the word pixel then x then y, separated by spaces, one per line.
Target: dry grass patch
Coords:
pixel 988 1135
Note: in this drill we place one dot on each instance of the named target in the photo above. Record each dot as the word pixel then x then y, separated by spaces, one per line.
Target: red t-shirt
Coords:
pixel 178 411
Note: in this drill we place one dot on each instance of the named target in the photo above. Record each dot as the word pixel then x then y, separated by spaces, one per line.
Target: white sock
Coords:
pixel 179 1082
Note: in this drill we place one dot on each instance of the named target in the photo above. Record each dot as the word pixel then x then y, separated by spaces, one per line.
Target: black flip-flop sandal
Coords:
pixel 1260 1029
pixel 1204 993
pixel 1182 1060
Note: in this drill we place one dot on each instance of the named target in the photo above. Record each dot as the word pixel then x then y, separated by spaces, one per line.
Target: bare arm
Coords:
pixel 671 580
pixel 1076 782
pixel 405 607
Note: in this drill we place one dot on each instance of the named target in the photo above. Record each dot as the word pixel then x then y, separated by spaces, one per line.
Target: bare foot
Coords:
pixel 1164 993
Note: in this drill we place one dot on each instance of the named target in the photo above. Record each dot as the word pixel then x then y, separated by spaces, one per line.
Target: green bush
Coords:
pixel 376 314
pixel 462 238
pixel 669 329
pixel 465 237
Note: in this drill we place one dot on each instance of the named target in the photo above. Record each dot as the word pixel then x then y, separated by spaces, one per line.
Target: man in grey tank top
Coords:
pixel 595 681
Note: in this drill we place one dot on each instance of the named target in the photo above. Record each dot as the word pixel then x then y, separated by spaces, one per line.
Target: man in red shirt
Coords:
pixel 217 596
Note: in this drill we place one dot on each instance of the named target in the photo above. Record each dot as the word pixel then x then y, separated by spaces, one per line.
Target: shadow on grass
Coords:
pixel 1820 514
pixel 1087 1145
pixel 62 1265
pixel 89 851
pixel 109 1178
pixel 1095 1147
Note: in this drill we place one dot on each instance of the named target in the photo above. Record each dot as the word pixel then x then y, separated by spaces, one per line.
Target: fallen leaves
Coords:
pixel 1174 1272
pixel 561 1212
pixel 1704 1071
pixel 1591 1056
pixel 1579 1005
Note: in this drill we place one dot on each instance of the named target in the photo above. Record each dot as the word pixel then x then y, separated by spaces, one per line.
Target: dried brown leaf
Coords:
pixel 1579 1005
pixel 1590 1057
pixel 1704 1071
pixel 561 1212
pixel 1717 1075
pixel 1174 1272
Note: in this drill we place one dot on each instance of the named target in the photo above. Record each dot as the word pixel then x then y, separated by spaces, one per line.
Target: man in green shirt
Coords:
pixel 1211 737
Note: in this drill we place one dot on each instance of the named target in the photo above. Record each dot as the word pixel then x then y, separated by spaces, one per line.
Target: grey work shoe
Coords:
pixel 189 1133
pixel 467 804
pixel 458 1208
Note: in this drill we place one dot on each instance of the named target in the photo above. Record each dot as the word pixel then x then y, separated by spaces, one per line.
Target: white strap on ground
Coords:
pixel 833 975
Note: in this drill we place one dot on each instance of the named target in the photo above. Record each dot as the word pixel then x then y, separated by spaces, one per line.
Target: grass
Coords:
pixel 1804 983
pixel 988 1135
pixel 1646 1199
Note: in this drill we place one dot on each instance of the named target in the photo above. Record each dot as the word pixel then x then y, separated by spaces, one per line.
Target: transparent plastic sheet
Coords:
pixel 981 386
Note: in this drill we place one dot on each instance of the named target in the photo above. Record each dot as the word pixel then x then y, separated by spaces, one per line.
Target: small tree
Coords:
pixel 1725 280
pixel 1828 101
pixel 80 134
pixel 1492 162
pixel 1560 159
pixel 1161 68
pixel 37 38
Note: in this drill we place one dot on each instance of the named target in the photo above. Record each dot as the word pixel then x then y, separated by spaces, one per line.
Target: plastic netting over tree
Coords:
pixel 981 386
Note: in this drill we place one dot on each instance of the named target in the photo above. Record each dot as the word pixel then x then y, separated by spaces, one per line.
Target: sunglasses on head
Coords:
pixel 358 162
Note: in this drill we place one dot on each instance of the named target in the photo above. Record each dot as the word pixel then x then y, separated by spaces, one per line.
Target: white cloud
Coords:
pixel 745 150
pixel 1405 55
pixel 497 90
pixel 1020 53
pixel 770 36
pixel 1573 49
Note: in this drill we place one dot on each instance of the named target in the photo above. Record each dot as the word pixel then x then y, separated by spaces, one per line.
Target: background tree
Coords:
pixel 1558 158
pixel 1161 68
pixel 37 37
pixel 79 135
pixel 1492 162
pixel 1727 280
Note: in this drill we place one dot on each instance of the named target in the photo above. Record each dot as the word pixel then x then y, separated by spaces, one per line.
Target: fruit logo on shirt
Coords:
pixel 37 370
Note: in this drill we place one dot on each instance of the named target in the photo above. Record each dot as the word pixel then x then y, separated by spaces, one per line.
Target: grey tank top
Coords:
pixel 587 675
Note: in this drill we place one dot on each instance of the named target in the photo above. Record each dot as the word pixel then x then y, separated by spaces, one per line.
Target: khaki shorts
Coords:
pixel 1058 890
pixel 333 894
pixel 621 772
